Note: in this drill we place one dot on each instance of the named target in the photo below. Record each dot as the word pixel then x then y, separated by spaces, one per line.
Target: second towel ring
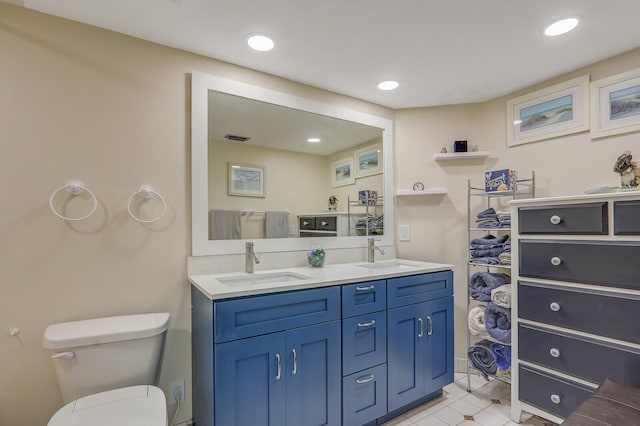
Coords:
pixel 74 187
pixel 146 192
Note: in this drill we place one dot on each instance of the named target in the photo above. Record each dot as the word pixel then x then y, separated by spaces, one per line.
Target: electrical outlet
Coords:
pixel 177 391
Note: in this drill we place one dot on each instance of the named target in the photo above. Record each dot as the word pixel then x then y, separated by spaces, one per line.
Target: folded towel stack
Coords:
pixel 504 218
pixel 490 218
pixel 487 249
pixel 481 284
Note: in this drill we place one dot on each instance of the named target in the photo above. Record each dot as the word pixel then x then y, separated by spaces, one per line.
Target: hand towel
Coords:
pixel 481 284
pixel 502 354
pixel 498 322
pixel 276 224
pixel 481 358
pixel 476 321
pixel 501 296
pixel 224 224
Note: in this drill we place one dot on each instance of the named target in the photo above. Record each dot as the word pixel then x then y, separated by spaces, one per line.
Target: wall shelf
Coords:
pixel 426 191
pixel 461 155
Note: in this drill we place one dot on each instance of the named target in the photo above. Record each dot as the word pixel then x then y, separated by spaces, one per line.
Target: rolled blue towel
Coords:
pixel 482 359
pixel 481 283
pixel 498 322
pixel 502 355
pixel 490 240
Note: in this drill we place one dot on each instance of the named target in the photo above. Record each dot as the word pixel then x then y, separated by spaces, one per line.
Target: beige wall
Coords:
pixel 85 103
pixel 563 166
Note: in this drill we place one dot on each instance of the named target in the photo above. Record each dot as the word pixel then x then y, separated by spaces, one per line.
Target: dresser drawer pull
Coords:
pixel 554 352
pixel 361 380
pixel 305 223
pixel 369 288
pixel 555 399
pixel 324 223
pixel 555 261
pixel 555 219
pixel 367 324
pixel 554 306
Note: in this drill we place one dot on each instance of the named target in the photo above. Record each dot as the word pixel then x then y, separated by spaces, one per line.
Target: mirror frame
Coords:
pixel 201 83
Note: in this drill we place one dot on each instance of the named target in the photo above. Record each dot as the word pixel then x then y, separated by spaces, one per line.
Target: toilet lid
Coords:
pixel 131 406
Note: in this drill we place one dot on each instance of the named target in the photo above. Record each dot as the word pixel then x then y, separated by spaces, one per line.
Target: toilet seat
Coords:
pixel 142 405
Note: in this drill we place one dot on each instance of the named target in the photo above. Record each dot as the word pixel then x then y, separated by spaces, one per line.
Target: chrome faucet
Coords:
pixel 371 249
pixel 250 258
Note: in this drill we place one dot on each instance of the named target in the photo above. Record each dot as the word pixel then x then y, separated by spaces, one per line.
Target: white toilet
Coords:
pixel 107 368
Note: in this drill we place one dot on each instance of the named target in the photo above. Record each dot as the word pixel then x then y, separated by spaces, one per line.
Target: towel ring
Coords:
pixel 74 187
pixel 146 192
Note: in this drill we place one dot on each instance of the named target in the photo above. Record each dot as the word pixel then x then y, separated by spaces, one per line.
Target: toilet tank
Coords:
pixel 101 354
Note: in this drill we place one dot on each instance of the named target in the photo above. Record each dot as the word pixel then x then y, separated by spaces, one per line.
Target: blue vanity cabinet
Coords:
pixel 420 337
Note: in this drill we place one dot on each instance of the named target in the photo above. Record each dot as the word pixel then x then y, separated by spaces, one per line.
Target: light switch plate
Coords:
pixel 404 233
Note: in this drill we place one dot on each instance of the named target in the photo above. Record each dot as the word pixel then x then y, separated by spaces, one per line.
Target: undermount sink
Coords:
pixel 264 278
pixel 396 265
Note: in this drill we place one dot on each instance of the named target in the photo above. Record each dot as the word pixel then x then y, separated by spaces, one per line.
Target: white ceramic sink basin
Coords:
pixel 264 278
pixel 395 265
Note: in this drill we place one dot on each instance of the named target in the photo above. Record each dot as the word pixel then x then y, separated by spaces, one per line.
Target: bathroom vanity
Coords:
pixel 348 344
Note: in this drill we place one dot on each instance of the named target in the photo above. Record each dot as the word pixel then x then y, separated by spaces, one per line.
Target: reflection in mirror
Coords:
pixel 256 176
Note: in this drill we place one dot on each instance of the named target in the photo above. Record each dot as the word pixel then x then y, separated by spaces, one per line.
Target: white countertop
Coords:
pixel 211 285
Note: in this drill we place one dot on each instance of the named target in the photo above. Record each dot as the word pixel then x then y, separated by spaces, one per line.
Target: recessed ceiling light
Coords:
pixel 388 85
pixel 313 140
pixel 561 27
pixel 260 42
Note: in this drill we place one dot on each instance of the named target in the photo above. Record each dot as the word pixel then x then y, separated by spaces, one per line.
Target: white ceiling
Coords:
pixel 441 51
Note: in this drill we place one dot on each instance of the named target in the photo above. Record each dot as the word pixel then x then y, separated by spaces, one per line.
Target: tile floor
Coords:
pixel 488 404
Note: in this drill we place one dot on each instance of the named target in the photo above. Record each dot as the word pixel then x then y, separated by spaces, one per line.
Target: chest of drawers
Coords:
pixel 576 262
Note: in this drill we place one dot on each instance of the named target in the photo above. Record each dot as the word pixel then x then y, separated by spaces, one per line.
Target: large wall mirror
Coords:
pixel 257 177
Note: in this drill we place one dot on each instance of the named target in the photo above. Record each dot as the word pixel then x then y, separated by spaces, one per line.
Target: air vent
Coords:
pixel 237 138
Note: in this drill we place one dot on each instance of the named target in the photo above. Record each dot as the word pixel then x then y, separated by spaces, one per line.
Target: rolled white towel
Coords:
pixel 501 296
pixel 476 321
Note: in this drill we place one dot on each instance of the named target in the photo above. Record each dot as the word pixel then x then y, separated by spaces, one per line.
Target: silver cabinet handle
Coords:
pixel 555 219
pixel 63 355
pixel 555 261
pixel 430 332
pixel 324 223
pixel 554 352
pixel 555 307
pixel 555 399
pixel 420 328
pixel 367 324
pixel 279 367
pixel 361 380
pixel 369 288
pixel 295 363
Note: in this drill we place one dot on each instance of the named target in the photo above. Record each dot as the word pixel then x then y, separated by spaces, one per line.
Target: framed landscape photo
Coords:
pixel 615 105
pixel 246 180
pixel 342 172
pixel 547 113
pixel 368 161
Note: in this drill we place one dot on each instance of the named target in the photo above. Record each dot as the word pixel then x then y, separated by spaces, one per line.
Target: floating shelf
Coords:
pixel 427 191
pixel 460 155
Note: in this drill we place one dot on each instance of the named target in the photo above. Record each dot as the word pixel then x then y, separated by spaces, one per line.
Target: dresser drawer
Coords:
pixel 326 223
pixel 419 288
pixel 614 264
pixel 364 342
pixel 364 396
pixel 626 217
pixel 590 218
pixel 603 313
pixel 362 298
pixel 307 222
pixel 583 357
pixel 256 315
pixel 555 395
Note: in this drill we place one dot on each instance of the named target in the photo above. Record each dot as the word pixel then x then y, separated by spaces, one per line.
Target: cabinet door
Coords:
pixel 250 381
pixel 405 362
pixel 439 358
pixel 313 375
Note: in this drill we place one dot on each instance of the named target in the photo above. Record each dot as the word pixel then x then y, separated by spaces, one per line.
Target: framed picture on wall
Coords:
pixel 615 105
pixel 558 110
pixel 342 172
pixel 246 180
pixel 368 161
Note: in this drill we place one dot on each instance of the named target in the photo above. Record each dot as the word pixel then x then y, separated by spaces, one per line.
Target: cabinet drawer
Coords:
pixel 583 357
pixel 588 218
pixel 364 341
pixel 603 313
pixel 626 217
pixel 307 222
pixel 364 396
pixel 538 388
pixel 253 316
pixel 419 288
pixel 326 223
pixel 606 263
pixel 362 298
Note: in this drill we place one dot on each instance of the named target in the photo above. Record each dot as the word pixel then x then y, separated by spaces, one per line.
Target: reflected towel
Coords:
pixel 276 224
pixel 481 284
pixel 488 241
pixel 502 355
pixel 476 321
pixel 498 322
pixel 501 296
pixel 481 358
pixel 224 224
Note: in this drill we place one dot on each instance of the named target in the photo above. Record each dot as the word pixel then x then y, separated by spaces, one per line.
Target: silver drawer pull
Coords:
pixel 361 380
pixel 555 219
pixel 430 332
pixel 367 324
pixel 555 261
pixel 554 352
pixel 421 327
pixel 371 287
pixel 555 307
pixel 279 367
pixel 304 223
pixel 555 399
pixel 324 223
